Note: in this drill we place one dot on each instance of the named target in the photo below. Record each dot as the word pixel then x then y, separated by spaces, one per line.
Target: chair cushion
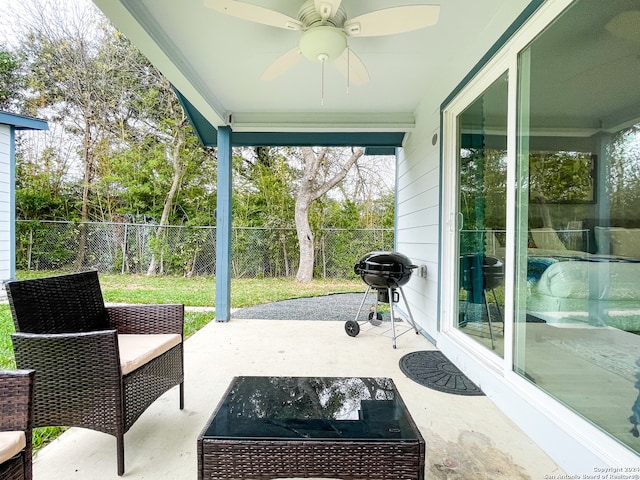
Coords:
pixel 11 444
pixel 136 350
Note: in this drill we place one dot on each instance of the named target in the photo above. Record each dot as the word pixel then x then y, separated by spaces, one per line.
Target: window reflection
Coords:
pixel 302 397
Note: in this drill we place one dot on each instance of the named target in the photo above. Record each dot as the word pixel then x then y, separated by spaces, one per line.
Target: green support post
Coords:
pixel 223 227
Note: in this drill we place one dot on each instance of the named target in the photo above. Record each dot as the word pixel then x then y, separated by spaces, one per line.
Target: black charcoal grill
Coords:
pixel 382 270
pixel 385 272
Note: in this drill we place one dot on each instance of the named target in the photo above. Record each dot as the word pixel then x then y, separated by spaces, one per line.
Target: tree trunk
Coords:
pixel 309 191
pixel 178 168
pixel 87 164
pixel 305 240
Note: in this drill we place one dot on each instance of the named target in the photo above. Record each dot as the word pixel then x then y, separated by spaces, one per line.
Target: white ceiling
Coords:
pixel 216 62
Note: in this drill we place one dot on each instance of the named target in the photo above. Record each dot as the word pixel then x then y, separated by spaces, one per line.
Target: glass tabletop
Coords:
pixel 312 408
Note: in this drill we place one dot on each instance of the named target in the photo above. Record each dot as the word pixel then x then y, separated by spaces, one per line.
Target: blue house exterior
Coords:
pixel 9 124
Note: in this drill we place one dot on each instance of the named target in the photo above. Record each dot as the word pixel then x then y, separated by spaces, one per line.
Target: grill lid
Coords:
pixel 384 269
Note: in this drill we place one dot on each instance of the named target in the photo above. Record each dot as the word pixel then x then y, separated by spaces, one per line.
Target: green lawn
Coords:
pixel 200 291
pixel 6 329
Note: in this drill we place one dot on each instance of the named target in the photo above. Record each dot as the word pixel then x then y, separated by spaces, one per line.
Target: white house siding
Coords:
pixel 5 202
pixel 418 222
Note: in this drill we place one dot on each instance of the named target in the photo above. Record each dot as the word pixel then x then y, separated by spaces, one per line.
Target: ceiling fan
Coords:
pixel 325 28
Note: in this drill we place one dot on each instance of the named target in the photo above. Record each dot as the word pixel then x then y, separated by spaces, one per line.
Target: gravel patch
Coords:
pixel 335 307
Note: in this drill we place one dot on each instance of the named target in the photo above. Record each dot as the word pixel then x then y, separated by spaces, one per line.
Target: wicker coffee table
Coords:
pixel 279 427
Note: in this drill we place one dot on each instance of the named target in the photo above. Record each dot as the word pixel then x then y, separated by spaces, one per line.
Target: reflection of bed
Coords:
pixel 599 293
pixel 598 288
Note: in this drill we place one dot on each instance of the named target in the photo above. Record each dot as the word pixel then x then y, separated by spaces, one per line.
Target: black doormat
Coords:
pixel 432 369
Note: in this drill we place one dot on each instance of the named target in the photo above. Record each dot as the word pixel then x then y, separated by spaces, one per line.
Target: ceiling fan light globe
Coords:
pixel 323 43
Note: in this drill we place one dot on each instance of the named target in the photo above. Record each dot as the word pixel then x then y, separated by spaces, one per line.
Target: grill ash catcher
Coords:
pixel 386 273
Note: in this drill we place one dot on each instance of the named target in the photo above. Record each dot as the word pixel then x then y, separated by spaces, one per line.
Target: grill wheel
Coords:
pixel 352 328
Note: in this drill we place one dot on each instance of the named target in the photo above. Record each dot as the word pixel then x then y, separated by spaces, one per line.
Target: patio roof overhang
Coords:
pixel 215 62
pixel 375 143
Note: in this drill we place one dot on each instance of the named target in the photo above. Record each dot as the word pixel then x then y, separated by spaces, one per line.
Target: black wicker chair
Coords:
pixel 75 344
pixel 16 423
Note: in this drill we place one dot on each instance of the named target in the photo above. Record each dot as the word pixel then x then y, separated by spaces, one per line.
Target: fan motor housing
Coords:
pixel 323 43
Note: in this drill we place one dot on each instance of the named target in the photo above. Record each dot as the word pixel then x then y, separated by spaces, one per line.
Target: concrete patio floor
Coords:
pixel 466 437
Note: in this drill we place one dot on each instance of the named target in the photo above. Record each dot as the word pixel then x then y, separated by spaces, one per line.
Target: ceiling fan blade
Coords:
pixel 254 13
pixel 327 8
pixel 282 64
pixel 393 20
pixel 352 67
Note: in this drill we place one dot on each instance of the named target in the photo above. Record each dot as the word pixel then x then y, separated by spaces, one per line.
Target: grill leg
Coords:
pixel 486 304
pixel 495 299
pixel 362 303
pixel 406 304
pixel 375 307
pixel 393 317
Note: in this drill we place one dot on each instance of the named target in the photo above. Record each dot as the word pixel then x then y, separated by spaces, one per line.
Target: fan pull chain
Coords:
pixel 348 69
pixel 322 85
pixel 323 57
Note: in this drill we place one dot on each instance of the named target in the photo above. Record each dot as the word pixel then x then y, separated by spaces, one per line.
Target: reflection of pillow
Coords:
pixel 547 238
pixel 625 242
pixel 603 240
pixel 566 280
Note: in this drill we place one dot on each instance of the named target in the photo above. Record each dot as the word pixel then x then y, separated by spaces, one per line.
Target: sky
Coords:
pixel 15 13
pixel 7 21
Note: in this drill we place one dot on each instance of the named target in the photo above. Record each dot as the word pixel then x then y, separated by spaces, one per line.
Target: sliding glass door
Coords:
pixel 481 214
pixel 557 113
pixel 577 326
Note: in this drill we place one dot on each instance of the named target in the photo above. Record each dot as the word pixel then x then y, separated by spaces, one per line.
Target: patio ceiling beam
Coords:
pixel 386 138
pixel 317 139
pixel 314 121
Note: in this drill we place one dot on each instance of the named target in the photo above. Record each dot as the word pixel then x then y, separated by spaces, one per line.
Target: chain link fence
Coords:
pixel 188 251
